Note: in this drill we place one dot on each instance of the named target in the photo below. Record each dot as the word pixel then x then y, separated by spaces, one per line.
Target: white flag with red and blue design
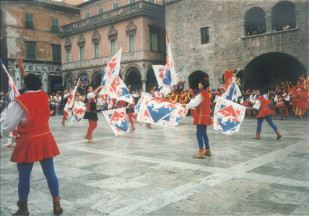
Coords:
pixel 232 92
pixel 12 90
pixel 117 120
pixel 228 116
pixel 161 112
pixel 166 74
pixel 79 110
pixel 68 106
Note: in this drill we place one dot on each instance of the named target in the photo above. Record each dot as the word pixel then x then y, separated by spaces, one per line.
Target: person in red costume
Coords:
pixel 264 113
pixel 301 103
pixel 30 113
pixel 91 111
pixel 201 117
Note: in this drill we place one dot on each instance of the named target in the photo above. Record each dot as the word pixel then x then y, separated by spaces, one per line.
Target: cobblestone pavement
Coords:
pixel 152 172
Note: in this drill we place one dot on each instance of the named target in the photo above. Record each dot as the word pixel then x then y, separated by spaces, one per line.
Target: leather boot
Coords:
pixel 200 155
pixel 90 140
pixel 23 208
pixel 278 135
pixel 257 136
pixel 57 208
pixel 208 152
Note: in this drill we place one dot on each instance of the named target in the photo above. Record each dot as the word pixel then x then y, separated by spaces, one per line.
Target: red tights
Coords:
pixel 92 125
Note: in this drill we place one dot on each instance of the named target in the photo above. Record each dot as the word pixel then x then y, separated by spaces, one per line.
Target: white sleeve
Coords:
pixel 90 95
pixel 194 102
pixel 257 104
pixel 66 95
pixel 15 115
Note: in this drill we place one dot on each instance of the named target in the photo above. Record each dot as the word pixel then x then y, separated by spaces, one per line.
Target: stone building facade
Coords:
pixel 88 44
pixel 29 29
pixel 266 41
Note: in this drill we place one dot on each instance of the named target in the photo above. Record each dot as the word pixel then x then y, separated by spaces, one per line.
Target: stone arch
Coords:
pixel 131 28
pixel 133 77
pixel 68 80
pixel 67 44
pixel 151 79
pixel 81 40
pixel 96 36
pixel 255 21
pixel 96 78
pixel 195 77
pixel 112 33
pixel 283 16
pixel 269 69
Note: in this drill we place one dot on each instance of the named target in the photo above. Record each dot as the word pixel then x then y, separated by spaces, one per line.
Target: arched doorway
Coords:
pixel 283 16
pixel 68 83
pixel 195 78
pixel 255 21
pixel 151 80
pixel 96 79
pixel 267 70
pixel 133 78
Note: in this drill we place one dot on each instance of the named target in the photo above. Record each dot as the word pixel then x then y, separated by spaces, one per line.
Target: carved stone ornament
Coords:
pixel 81 40
pixel 96 37
pixel 67 44
pixel 112 34
pixel 131 28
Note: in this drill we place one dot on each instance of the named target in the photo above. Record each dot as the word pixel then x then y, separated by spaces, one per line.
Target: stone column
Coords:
pixel 268 23
pixel 144 84
pixel 45 82
pixel 17 75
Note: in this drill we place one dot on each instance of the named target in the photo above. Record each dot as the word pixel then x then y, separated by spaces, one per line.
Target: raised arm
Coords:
pixel 21 66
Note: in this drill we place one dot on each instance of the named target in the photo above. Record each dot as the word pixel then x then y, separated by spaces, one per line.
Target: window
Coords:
pixel 154 41
pixel 87 14
pixel 255 22
pixel 96 50
pixel 283 16
pixel 115 5
pixel 29 20
pixel 131 43
pixel 113 46
pixel 56 49
pixel 68 55
pixel 101 10
pixel 54 25
pixel 81 52
pixel 31 50
pixel 152 1
pixel 132 1
pixel 205 35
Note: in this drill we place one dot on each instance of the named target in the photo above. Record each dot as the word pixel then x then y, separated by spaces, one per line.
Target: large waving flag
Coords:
pixel 228 116
pixel 232 92
pixel 166 74
pixel 117 120
pixel 111 70
pixel 68 106
pixel 160 111
pixel 79 110
pixel 13 91
pixel 112 83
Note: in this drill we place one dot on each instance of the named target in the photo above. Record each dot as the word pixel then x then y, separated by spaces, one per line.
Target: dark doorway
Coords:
pixel 55 83
pixel 69 82
pixel 255 22
pixel 134 79
pixel 96 80
pixel 195 78
pixel 283 16
pixel 267 70
pixel 151 80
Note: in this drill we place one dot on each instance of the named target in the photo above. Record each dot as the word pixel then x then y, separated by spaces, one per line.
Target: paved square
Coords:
pixel 152 172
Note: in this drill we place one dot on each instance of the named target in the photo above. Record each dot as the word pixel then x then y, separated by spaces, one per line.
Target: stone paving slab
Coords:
pixel 152 172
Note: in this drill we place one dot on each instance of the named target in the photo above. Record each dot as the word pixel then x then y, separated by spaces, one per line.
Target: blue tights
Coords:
pixel 24 171
pixel 269 120
pixel 201 134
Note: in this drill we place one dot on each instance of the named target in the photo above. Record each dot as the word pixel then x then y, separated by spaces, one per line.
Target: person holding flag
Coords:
pixel 91 111
pixel 30 113
pixel 201 117
pixel 64 100
pixel 264 113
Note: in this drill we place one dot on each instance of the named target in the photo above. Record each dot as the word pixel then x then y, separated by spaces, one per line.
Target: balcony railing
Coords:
pixel 106 17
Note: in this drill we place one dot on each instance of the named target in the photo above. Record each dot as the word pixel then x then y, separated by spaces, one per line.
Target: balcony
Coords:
pixel 140 8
